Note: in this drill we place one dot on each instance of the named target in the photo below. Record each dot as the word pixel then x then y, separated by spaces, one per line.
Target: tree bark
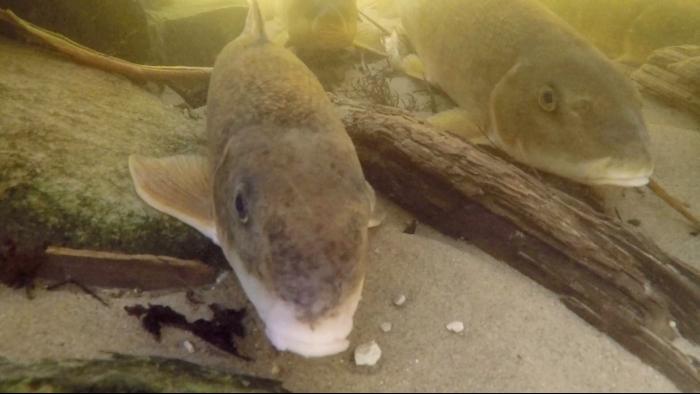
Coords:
pixel 607 273
pixel 673 75
pixel 119 270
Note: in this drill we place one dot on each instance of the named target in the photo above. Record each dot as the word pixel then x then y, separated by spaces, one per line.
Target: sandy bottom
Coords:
pixel 517 336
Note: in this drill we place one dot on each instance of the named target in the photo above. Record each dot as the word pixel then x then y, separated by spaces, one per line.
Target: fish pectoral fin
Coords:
pixel 377 215
pixel 458 121
pixel 178 186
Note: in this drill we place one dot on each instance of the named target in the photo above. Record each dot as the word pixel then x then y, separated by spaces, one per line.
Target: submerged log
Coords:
pixel 607 273
pixel 118 270
pixel 673 75
pixel 126 374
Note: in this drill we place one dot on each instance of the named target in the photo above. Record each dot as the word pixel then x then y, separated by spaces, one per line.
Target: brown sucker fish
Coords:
pixel 316 25
pixel 539 91
pixel 321 24
pixel 282 192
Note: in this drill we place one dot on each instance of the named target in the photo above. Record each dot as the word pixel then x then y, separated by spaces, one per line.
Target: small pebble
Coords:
pixel 188 346
pixel 386 327
pixel 368 354
pixel 456 326
pixel 400 300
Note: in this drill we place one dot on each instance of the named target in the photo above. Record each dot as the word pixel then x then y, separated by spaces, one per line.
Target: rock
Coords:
pixel 400 300
pixel 368 354
pixel 127 374
pixel 456 327
pixel 386 327
pixel 188 346
pixel 173 32
pixel 67 132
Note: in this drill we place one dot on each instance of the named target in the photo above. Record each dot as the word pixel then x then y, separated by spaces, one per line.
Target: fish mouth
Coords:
pixel 603 171
pixel 624 182
pixel 325 336
pixel 608 171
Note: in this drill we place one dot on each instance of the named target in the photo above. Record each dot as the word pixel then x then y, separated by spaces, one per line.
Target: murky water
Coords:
pixel 313 151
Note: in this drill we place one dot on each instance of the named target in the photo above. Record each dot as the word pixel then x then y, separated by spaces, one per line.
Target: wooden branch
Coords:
pixel 610 275
pixel 92 58
pixel 117 270
pixel 674 203
pixel 673 75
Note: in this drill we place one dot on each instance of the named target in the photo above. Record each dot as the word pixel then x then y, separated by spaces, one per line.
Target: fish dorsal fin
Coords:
pixel 255 24
pixel 179 186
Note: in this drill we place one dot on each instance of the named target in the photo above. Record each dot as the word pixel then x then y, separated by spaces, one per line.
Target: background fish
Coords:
pixel 319 24
pixel 533 86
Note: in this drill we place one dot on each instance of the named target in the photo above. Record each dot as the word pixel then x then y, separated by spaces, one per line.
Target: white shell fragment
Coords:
pixel 368 354
pixel 386 327
pixel 400 300
pixel 456 327
pixel 188 346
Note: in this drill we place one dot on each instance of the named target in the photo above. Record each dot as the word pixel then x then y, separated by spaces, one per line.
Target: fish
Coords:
pixel 322 25
pixel 325 25
pixel 280 190
pixel 534 87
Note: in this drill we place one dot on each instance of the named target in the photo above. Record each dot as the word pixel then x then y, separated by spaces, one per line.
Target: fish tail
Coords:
pixel 255 24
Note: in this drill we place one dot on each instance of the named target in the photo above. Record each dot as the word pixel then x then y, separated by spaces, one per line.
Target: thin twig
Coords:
pixel 87 56
pixel 81 286
pixel 674 203
pixel 375 23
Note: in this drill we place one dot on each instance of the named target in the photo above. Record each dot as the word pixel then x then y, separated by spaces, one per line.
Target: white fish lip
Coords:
pixel 616 175
pixel 287 333
pixel 326 337
pixel 625 182
pixel 602 171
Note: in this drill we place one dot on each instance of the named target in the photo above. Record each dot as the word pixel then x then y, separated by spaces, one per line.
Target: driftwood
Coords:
pixel 87 56
pixel 126 374
pixel 673 75
pixel 117 270
pixel 610 275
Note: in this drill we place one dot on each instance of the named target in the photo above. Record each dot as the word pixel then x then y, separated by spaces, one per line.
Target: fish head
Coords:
pixel 329 24
pixel 292 219
pixel 575 115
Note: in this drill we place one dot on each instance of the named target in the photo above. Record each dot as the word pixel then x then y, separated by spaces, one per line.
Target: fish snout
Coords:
pixel 620 154
pixel 326 335
pixel 623 171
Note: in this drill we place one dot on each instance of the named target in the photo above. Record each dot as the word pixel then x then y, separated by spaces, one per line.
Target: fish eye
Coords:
pixel 547 99
pixel 241 208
